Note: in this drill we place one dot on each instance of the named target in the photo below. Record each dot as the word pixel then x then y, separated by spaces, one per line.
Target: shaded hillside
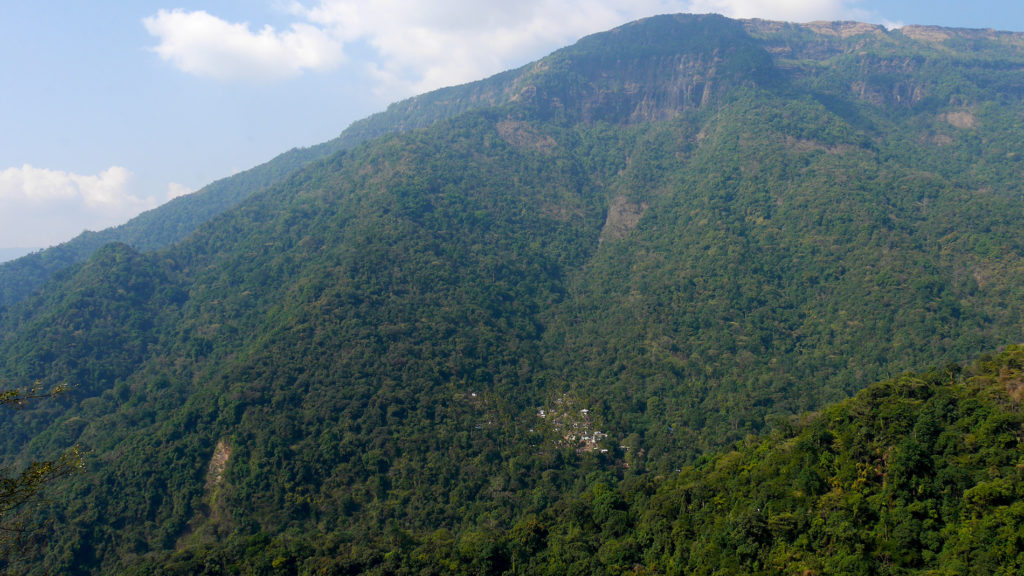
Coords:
pixel 606 266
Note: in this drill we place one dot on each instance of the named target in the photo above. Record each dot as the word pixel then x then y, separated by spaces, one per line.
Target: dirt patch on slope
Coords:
pixel 623 216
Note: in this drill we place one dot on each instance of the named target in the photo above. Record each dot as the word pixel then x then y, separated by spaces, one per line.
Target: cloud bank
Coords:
pixel 204 45
pixel 40 207
pixel 415 46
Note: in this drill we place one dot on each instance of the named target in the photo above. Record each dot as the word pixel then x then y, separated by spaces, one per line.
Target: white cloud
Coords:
pixel 40 207
pixel 788 10
pixel 204 45
pixel 416 46
pixel 422 46
pixel 174 190
pixel 41 185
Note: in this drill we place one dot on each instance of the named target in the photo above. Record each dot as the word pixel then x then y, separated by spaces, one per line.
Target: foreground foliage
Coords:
pixel 20 489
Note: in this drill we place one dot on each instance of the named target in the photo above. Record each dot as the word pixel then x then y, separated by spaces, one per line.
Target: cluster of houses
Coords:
pixel 575 429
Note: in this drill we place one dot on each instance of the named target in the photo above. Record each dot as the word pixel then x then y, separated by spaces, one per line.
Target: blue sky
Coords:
pixel 111 108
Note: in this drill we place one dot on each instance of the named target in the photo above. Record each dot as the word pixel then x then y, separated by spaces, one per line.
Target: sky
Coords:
pixel 110 108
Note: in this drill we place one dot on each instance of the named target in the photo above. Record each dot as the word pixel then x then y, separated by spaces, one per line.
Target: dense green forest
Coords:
pixel 920 474
pixel 565 321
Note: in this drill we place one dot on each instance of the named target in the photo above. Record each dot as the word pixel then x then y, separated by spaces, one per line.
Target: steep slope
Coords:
pixel 171 222
pixel 667 236
pixel 388 297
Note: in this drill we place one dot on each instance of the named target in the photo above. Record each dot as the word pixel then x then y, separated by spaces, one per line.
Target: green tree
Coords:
pixel 18 489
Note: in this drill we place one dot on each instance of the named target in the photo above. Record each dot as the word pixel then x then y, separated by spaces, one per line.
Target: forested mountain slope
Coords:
pixel 160 227
pixel 920 474
pixel 607 265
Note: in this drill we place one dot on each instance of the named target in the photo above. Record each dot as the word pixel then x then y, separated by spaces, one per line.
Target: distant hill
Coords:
pixel 12 253
pixel 520 326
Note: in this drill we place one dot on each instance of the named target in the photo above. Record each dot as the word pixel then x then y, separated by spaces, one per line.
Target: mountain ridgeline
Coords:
pixel 532 325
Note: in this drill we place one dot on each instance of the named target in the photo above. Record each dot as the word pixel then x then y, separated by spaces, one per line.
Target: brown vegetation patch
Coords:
pixel 623 216
pixel 844 29
pixel 961 119
pixel 209 520
pixel 926 33
pixel 218 463
pixel 1013 382
pixel 522 135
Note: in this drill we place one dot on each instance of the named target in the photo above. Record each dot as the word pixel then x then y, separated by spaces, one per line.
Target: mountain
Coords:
pixel 419 352
pixel 163 226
